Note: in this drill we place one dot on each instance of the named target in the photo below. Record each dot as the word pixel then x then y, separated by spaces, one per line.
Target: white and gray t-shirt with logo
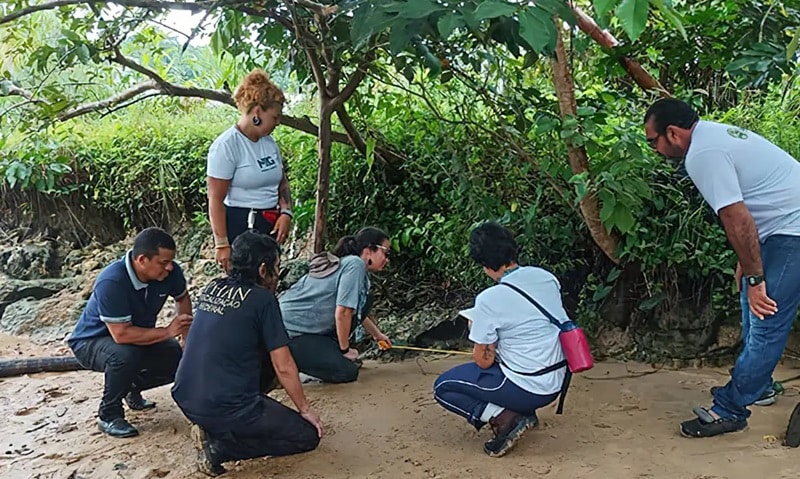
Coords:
pixel 730 164
pixel 526 340
pixel 255 169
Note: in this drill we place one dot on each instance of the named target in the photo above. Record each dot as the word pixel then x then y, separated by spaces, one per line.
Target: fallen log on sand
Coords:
pixel 18 367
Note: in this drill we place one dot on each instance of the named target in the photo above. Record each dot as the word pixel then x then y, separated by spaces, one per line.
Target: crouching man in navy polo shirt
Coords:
pixel 117 333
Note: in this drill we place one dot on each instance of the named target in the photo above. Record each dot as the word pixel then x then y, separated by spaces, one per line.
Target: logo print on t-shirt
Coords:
pixel 737 133
pixel 266 164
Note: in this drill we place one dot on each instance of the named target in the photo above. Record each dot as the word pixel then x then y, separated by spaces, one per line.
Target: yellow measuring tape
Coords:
pixel 428 350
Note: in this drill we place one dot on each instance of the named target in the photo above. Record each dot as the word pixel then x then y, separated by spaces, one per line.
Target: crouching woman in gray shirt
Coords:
pixel 321 310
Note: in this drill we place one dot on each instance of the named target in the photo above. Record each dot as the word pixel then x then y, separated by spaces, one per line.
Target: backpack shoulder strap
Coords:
pixel 525 295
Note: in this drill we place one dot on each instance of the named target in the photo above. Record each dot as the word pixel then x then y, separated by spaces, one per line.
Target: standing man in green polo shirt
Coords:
pixel 117 334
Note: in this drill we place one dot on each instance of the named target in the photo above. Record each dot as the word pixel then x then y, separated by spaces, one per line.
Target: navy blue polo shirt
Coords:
pixel 120 297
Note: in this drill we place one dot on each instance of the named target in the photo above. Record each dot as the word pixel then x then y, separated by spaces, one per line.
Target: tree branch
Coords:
pixel 198 6
pixel 165 26
pixel 304 39
pixel 355 79
pixel 352 132
pixel 357 141
pixel 127 104
pixel 108 102
pixel 126 62
pixel 14 90
pixel 605 39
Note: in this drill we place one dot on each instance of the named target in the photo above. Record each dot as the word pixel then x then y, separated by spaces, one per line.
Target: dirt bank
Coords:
pixel 387 426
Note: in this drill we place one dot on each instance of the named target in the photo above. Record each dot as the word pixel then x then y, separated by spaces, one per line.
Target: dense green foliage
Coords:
pixel 148 164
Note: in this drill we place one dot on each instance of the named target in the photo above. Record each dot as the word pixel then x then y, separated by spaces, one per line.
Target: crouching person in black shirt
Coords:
pixel 235 348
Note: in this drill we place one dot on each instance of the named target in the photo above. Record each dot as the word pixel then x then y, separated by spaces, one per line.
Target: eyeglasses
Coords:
pixel 653 142
pixel 386 251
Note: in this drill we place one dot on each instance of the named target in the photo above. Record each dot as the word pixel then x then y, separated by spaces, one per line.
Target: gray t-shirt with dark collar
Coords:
pixel 309 306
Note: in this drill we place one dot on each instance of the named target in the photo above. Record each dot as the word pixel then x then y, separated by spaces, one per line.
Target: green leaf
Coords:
pixel 83 53
pixel 608 209
pixel 559 8
pixel 671 15
pixel 536 27
pixel 448 23
pixel 370 153
pixel 493 9
pixel 530 59
pixel 72 36
pixel 633 16
pixel 652 302
pixel 601 292
pixel 623 218
pixel 368 21
pixel 603 7
pixel 399 38
pixel 792 48
pixel 416 9
pixel 429 59
pixel 613 275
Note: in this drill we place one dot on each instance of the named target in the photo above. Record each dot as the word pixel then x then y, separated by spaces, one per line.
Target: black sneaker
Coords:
pixel 118 427
pixel 136 402
pixel 706 425
pixel 792 438
pixel 769 397
pixel 205 456
pixel 508 427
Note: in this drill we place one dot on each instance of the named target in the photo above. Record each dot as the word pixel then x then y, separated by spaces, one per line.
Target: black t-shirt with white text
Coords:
pixel 235 327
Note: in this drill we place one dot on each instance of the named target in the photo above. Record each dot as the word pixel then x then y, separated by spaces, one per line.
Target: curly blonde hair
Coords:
pixel 257 89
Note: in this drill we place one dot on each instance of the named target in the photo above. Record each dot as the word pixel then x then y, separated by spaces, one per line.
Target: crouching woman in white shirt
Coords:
pixel 518 365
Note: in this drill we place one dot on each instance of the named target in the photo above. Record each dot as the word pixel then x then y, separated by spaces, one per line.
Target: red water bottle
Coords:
pixel 576 347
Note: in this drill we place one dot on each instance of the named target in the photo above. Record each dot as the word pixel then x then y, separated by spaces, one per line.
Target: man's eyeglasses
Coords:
pixel 386 251
pixel 653 141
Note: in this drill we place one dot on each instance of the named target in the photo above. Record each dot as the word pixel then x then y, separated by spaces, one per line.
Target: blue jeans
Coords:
pixel 763 341
pixel 467 389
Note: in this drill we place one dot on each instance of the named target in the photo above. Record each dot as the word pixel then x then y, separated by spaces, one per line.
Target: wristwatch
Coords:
pixel 754 280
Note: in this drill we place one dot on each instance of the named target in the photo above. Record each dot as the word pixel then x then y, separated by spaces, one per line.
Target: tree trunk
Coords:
pixel 607 40
pixel 323 172
pixel 578 160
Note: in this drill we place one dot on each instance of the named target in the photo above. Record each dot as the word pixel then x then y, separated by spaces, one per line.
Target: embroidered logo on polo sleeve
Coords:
pixel 737 133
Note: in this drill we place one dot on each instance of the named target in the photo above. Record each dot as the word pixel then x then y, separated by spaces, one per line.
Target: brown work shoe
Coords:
pixel 508 427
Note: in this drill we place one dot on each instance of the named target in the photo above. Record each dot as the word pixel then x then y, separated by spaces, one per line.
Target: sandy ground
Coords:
pixel 387 426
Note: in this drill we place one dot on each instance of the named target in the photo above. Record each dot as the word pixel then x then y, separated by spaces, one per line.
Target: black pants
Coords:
pixel 319 356
pixel 127 368
pixel 236 222
pixel 275 430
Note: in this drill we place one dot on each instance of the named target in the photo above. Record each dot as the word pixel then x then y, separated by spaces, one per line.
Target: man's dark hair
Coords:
pixel 249 251
pixel 493 246
pixel 368 237
pixel 670 111
pixel 150 240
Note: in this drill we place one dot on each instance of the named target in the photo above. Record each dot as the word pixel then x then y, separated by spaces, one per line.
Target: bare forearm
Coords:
pixel 344 322
pixel 183 305
pixel 142 336
pixel 484 355
pixel 371 328
pixel 284 194
pixel 290 380
pixel 743 236
pixel 216 213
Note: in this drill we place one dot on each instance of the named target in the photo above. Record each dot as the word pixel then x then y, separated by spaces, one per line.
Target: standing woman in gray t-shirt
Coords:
pixel 247 183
